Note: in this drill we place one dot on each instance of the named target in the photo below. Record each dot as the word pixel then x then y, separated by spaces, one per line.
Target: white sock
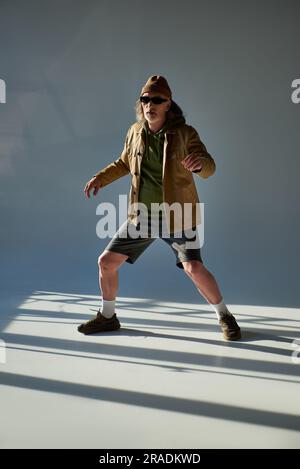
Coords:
pixel 220 309
pixel 108 308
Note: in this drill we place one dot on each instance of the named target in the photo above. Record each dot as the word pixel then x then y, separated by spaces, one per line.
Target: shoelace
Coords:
pixel 98 310
pixel 95 317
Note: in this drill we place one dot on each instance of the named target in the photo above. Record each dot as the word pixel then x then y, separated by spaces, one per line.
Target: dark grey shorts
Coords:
pixel 185 248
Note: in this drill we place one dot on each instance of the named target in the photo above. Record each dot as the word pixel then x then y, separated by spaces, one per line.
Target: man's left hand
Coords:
pixel 192 162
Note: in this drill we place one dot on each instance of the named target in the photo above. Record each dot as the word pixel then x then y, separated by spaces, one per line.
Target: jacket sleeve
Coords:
pixel 195 145
pixel 117 169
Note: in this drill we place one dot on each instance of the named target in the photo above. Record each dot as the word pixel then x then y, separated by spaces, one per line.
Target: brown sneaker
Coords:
pixel 99 324
pixel 230 328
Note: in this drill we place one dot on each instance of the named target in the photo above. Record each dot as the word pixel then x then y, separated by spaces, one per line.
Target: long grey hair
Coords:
pixel 174 111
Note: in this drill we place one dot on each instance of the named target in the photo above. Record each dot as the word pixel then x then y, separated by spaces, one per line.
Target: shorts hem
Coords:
pixel 130 260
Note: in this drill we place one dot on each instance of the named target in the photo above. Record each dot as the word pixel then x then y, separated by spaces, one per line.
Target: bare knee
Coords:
pixel 193 268
pixel 110 261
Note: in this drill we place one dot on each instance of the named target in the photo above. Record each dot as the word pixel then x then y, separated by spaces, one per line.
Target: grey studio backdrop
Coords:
pixel 73 71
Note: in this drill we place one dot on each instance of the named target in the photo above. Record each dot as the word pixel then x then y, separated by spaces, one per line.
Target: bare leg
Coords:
pixel 204 281
pixel 208 287
pixel 109 263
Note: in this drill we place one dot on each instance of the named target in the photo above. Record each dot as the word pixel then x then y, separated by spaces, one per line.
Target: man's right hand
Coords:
pixel 93 183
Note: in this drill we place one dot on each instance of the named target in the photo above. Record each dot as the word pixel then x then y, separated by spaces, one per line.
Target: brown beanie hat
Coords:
pixel 157 83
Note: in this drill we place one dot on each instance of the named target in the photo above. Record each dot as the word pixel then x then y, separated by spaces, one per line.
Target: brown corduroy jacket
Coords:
pixel 180 140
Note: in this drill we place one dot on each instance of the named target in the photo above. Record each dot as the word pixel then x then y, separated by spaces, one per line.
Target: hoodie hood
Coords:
pixel 176 121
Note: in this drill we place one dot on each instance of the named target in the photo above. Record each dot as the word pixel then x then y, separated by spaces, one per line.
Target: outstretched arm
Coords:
pixel 115 170
pixel 110 173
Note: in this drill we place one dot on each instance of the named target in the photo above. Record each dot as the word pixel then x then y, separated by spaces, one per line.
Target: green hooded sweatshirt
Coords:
pixel 151 189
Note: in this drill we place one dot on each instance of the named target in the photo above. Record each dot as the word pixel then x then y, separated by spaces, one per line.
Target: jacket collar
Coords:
pixel 140 129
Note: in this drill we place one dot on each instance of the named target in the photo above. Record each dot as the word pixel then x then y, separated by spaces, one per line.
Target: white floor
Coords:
pixel 166 379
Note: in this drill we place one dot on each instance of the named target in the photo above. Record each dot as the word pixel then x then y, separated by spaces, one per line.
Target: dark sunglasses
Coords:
pixel 154 100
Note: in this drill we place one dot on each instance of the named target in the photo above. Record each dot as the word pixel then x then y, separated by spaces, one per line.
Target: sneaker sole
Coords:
pixel 102 329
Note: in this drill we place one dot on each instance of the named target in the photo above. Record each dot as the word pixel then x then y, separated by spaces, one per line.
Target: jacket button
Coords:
pixel 139 153
pixel 134 192
pixel 135 174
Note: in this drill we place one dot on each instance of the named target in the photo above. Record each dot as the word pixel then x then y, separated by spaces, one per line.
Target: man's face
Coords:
pixel 155 112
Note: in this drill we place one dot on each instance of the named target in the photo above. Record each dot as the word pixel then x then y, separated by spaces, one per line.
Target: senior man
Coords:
pixel 161 152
